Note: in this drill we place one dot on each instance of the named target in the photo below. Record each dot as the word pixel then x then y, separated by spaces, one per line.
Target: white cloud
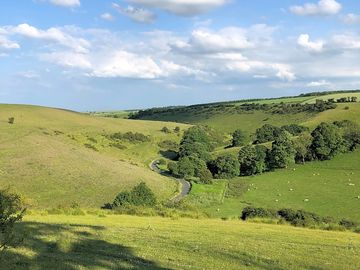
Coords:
pixel 51 34
pixel 8 44
pixel 311 46
pixel 319 83
pixel 204 41
pixel 322 8
pixel 351 18
pixel 127 65
pixel 136 14
pixel 68 59
pixel 347 41
pixel 107 17
pixel 182 7
pixel 66 3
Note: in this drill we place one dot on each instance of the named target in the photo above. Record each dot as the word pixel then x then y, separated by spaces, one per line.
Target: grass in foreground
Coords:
pixel 126 242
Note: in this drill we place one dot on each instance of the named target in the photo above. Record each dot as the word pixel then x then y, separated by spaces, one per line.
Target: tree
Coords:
pixel 199 135
pixel 165 130
pixel 252 159
pixel 11 212
pixel 140 195
pixel 282 153
pixel 11 120
pixel 352 137
pixel 226 166
pixel 238 138
pixel 177 129
pixel 302 147
pixel 294 129
pixel 195 149
pixel 327 141
pixel 267 133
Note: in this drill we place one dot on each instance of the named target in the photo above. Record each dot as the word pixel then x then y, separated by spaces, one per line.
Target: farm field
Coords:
pixel 128 242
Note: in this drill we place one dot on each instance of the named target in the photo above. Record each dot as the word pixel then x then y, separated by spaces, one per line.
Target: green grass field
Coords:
pixel 43 157
pixel 127 242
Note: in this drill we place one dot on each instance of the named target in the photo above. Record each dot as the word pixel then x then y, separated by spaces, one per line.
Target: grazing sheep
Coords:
pixel 306 200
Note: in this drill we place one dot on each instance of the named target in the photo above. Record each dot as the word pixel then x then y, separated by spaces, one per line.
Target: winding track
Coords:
pixel 185 185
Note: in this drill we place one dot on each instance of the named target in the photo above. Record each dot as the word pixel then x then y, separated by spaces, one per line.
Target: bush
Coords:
pixel 300 218
pixel 130 136
pixel 177 129
pixel 257 212
pixel 169 145
pixel 11 212
pixel 165 130
pixel 348 224
pixel 140 195
pixel 294 129
pixel 11 120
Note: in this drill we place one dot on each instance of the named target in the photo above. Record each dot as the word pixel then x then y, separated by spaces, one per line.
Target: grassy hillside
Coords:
pixel 328 188
pixel 43 156
pixel 225 118
pixel 124 242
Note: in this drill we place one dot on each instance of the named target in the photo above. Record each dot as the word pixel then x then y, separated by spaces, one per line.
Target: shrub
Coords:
pixel 300 218
pixel 257 212
pixel 294 129
pixel 130 136
pixel 165 130
pixel 169 145
pixel 11 120
pixel 348 224
pixel 11 212
pixel 177 129
pixel 140 195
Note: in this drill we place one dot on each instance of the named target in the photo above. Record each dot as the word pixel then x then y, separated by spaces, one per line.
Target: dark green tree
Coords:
pixel 238 138
pixel 267 133
pixel 226 166
pixel 282 153
pixel 327 141
pixel 140 195
pixel 302 147
pixel 252 159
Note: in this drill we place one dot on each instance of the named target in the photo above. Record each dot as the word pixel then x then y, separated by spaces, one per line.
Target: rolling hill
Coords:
pixel 57 157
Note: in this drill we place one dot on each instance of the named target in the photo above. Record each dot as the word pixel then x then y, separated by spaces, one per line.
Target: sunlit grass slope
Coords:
pixel 43 157
pixel 124 242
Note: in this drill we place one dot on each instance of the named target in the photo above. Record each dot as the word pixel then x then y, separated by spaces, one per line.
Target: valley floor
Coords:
pixel 129 242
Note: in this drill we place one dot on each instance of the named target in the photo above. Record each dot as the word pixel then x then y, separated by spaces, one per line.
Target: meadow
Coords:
pixel 129 242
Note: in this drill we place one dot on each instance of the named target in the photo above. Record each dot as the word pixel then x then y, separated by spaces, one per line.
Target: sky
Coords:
pixel 91 55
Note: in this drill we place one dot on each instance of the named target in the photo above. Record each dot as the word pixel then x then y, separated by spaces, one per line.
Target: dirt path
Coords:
pixel 185 185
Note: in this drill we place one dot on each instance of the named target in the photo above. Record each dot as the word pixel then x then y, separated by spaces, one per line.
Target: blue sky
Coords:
pixel 124 54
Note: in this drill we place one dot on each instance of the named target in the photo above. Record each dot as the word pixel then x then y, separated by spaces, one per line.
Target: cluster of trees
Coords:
pixel 140 195
pixel 343 100
pixel 290 144
pixel 129 136
pixel 268 133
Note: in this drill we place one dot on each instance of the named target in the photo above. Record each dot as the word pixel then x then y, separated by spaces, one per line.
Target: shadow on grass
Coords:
pixel 69 247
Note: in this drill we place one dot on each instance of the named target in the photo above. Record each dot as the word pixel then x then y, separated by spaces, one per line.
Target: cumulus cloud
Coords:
pixel 5 43
pixel 311 46
pixel 224 40
pixel 319 83
pixel 66 3
pixel 136 14
pixel 125 64
pixel 351 18
pixel 107 17
pixel 182 7
pixel 322 8
pixel 52 34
